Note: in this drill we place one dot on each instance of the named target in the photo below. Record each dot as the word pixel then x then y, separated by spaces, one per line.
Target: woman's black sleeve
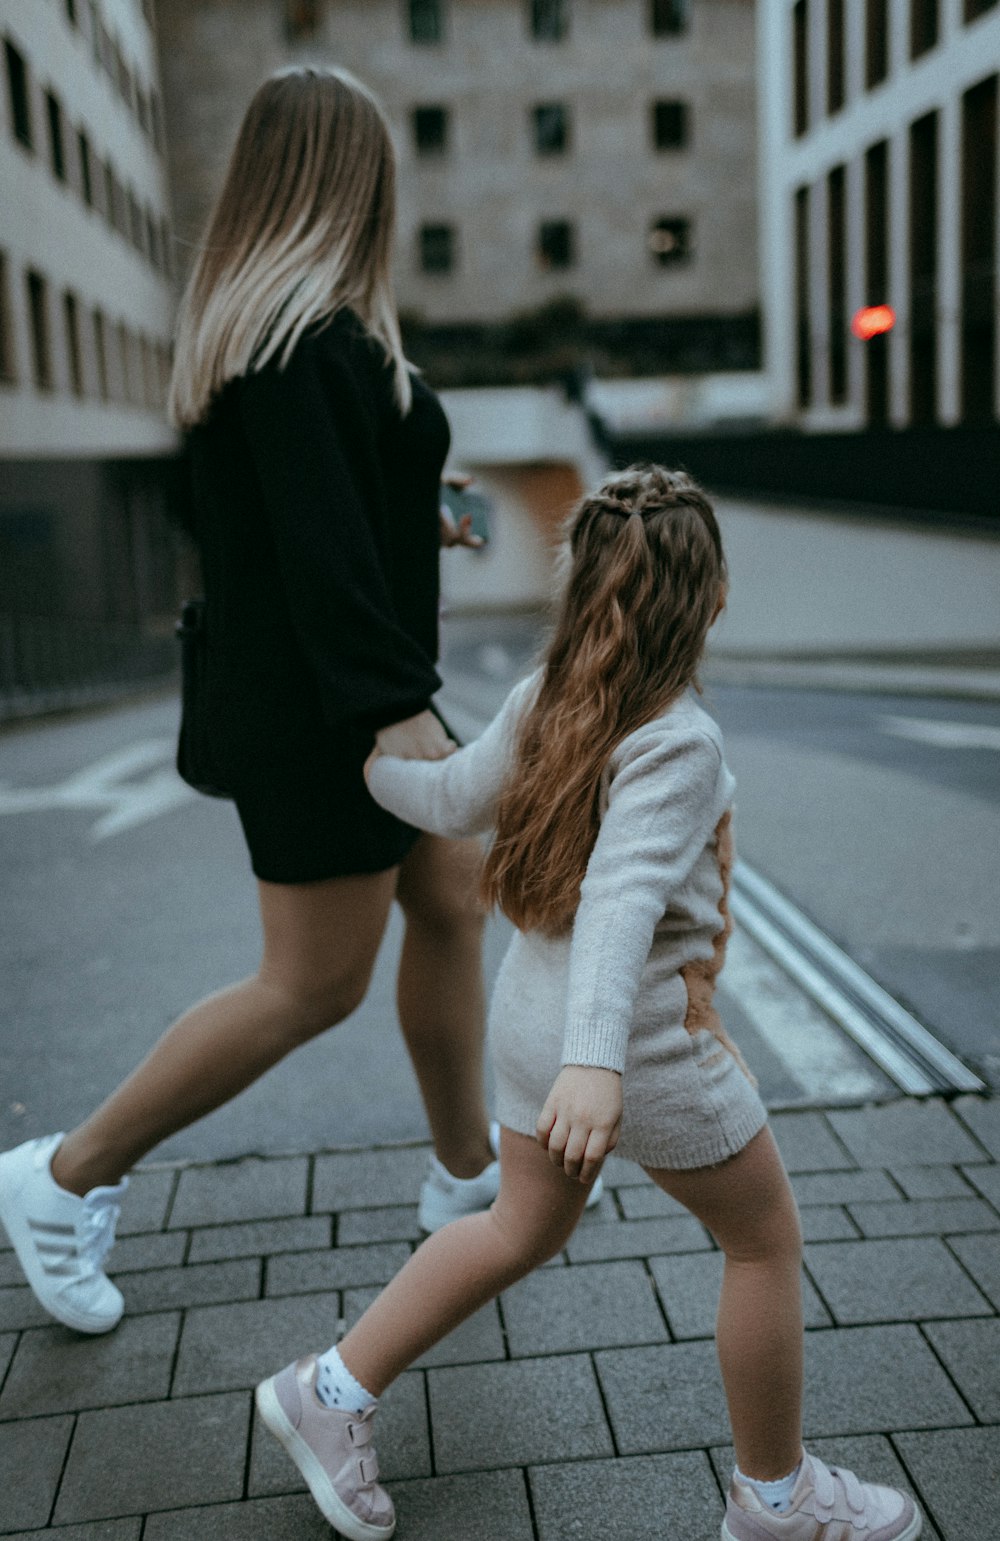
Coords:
pixel 296 420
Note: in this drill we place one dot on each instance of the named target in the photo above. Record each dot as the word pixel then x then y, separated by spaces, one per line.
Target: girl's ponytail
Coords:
pixel 646 578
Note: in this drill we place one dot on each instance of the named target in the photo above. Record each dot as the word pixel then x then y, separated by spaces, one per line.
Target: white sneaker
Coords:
pixel 61 1240
pixel 444 1198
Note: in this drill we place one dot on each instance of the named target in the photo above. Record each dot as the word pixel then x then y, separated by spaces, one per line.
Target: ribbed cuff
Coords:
pixel 595 1043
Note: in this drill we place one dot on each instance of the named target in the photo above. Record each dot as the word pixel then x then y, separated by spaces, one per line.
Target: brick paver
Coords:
pixel 585 1403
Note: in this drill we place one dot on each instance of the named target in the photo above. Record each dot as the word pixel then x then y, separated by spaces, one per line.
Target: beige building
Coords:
pixel 597 152
pixel 86 308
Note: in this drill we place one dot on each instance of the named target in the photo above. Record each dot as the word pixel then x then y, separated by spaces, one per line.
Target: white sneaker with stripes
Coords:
pixel 61 1240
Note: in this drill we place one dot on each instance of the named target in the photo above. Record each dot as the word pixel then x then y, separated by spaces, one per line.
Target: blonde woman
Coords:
pixel 317 458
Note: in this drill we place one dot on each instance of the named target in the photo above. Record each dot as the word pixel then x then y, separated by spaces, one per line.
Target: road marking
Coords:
pixel 114 786
pixel 942 735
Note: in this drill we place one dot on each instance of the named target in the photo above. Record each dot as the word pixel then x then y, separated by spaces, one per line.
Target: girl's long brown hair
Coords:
pixel 646 579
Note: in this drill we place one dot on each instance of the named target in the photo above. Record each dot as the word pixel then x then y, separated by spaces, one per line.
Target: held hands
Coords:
pixel 417 738
pixel 581 1120
pixel 460 533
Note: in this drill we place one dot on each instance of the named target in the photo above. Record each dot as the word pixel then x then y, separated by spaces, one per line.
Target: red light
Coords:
pixel 872 321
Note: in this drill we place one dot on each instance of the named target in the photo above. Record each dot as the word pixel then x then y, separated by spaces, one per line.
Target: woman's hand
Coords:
pixel 581 1120
pixel 417 738
pixel 460 533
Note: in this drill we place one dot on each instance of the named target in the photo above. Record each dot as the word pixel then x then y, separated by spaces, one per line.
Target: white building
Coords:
pixel 879 172
pixel 86 305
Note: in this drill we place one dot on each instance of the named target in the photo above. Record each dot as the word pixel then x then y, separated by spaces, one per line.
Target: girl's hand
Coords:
pixel 581 1120
pixel 417 738
pixel 459 534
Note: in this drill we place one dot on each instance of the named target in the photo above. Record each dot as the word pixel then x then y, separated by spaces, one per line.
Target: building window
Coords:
pixel 86 168
pixel 549 20
pixel 166 249
pixel 41 337
pixel 152 239
pixel 551 129
pixel 836 195
pixel 876 42
pixel 923 26
pixel 57 148
pixel 74 353
pixel 155 121
pixel 669 241
pixel 974 8
pixel 136 228
pixel 923 236
pixel 803 328
pixel 124 362
pixel 669 18
pixel 876 349
pixel 979 251
pixel 671 125
pixel 426 21
pixel 95 30
pixel 101 355
pixel 834 55
pixel 430 130
pixel 556 244
pixel 437 248
pixel 71 12
pixel 301 19
pixel 18 95
pixel 8 357
pixel 800 67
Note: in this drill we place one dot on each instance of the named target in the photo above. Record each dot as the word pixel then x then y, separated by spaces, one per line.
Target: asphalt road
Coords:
pixel 124 897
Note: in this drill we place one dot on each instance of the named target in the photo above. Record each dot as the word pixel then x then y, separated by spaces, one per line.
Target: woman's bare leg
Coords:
pixel 465 1264
pixel 441 997
pixel 747 1205
pixel 320 945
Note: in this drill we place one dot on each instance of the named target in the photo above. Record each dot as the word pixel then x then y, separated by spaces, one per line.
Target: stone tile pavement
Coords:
pixel 585 1404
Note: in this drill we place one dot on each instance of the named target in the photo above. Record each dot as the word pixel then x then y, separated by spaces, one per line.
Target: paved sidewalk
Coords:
pixel 586 1405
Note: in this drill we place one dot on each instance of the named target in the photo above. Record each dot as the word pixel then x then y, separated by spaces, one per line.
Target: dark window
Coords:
pixel 123 77
pixel 876 42
pixel 834 55
pixel 551 123
pixel 57 148
pixel 8 357
pixel 668 18
pixel 437 248
pixel 836 194
pixel 41 337
pixel 86 168
pixel 876 349
pixel 670 241
pixel 124 362
pixel 136 228
pixel 800 67
pixel 302 19
pixel 923 26
pixel 803 327
pixel 974 8
pixel 18 95
pixel 923 235
pixel 979 251
pixel 71 12
pixel 74 353
pixel 155 121
pixel 113 199
pixel 101 355
pixel 671 125
pixel 426 21
pixel 142 109
pixel 556 244
pixel 152 241
pixel 549 20
pixel 430 130
pixel 166 248
pixel 95 30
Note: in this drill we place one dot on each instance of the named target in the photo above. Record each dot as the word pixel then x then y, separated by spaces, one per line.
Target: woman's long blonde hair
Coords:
pixel 646 578
pixel 304 225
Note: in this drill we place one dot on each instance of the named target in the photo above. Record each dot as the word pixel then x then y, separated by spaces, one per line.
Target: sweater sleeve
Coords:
pixel 457 796
pixel 310 431
pixel 661 811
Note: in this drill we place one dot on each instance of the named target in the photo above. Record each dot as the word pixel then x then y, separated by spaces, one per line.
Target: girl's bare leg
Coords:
pixel 747 1205
pixel 441 996
pixel 465 1264
pixel 320 945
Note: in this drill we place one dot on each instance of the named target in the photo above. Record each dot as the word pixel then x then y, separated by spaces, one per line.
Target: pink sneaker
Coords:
pixel 332 1449
pixel 828 1504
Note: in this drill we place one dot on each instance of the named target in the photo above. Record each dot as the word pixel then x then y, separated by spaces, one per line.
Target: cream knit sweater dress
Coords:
pixel 630 987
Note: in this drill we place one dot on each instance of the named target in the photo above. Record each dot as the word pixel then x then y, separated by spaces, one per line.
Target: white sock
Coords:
pixel 337 1387
pixel 777 1495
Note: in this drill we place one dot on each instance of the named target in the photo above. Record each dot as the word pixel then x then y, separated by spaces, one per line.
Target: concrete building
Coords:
pixel 86 305
pixel 879 187
pixel 585 164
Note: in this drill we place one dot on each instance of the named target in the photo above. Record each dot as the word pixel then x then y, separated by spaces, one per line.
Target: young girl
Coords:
pixel 606 787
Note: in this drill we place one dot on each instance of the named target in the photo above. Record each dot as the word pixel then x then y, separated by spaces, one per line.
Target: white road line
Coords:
pixel 942 735
pixel 113 786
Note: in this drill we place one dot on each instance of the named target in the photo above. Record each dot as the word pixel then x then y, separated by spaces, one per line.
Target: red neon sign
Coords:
pixel 872 320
